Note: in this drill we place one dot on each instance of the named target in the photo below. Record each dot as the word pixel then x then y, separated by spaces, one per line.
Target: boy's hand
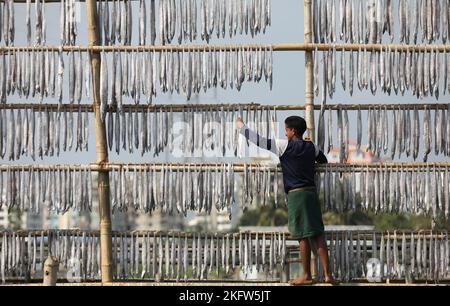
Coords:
pixel 239 123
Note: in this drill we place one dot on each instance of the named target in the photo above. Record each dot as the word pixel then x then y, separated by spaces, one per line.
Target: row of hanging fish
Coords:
pixel 69 17
pixel 195 187
pixel 7 22
pixel 393 255
pixel 136 74
pixel 243 16
pixel 45 73
pixel 181 21
pixel 38 133
pixel 115 20
pixel 211 131
pixel 176 256
pixel 143 255
pixel 261 186
pixel 369 21
pixel 418 190
pixel 57 189
pixel 78 254
pixel 200 187
pixel 36 22
pixel 390 71
pixel 173 190
pixel 395 133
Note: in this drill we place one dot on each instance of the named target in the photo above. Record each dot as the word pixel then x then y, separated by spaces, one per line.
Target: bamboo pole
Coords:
pixel 283 47
pixel 309 69
pixel 101 149
pixel 237 167
pixel 228 107
pixel 309 102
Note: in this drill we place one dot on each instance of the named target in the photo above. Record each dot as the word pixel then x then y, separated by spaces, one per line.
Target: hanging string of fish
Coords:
pixel 195 187
pixel 418 190
pixel 36 34
pixel 173 190
pixel 394 132
pixel 115 20
pixel 400 254
pixel 244 16
pixel 181 21
pixel 44 74
pixel 58 189
pixel 261 186
pixel 37 133
pixel 392 72
pixel 68 19
pixel 199 187
pixel 137 73
pixel 164 256
pixel 7 22
pixel 152 255
pixel 40 133
pixel 207 130
pixel 369 21
pixel 78 254
pixel 143 255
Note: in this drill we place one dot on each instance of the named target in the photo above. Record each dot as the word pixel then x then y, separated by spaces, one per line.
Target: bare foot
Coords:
pixel 330 280
pixel 304 281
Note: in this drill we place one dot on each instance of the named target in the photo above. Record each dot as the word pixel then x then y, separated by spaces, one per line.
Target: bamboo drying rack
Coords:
pixel 102 165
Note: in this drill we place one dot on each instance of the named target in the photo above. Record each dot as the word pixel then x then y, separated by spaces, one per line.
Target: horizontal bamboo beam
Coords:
pixel 376 47
pixel 132 107
pixel 51 1
pixel 232 106
pixel 141 233
pixel 147 48
pixel 371 106
pixel 237 167
pixel 240 166
pixel 275 47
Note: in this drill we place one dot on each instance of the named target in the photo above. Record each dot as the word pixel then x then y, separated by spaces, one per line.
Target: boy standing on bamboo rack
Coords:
pixel 298 158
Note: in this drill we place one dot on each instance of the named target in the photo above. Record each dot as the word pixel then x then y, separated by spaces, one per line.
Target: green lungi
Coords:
pixel 304 213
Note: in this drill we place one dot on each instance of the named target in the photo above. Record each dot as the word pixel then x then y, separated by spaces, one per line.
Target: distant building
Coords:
pixel 354 156
pixel 156 221
pixel 216 221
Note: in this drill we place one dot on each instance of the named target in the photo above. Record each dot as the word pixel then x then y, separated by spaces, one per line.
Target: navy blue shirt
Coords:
pixel 297 157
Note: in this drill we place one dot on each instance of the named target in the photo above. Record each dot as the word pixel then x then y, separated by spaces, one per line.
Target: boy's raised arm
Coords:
pixel 253 137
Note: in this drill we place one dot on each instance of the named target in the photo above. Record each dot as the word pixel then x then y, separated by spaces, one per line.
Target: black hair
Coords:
pixel 298 124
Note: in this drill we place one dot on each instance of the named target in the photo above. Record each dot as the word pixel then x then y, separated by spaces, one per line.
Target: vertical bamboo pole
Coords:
pixel 309 95
pixel 309 69
pixel 101 148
